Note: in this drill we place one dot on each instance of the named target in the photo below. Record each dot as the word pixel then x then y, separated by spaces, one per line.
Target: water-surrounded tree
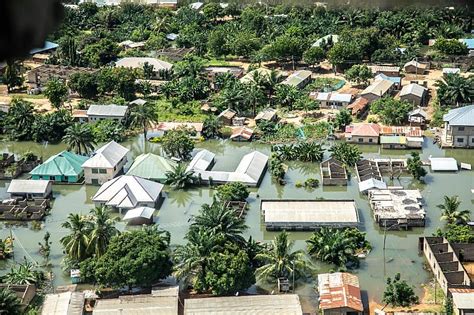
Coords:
pixel 276 167
pixel 309 151
pixel 143 116
pixel 76 242
pixel 415 166
pixel 45 247
pixel 102 229
pixel 281 261
pixel 234 191
pixel 180 178
pixel 451 213
pixel 456 233
pixel 79 137
pixel 398 293
pixel 56 91
pixel 24 273
pixel 455 89
pixel 10 304
pixel 347 153
pixel 177 143
pixel 220 221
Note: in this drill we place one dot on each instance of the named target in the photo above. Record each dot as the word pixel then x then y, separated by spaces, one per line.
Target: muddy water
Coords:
pixel 401 253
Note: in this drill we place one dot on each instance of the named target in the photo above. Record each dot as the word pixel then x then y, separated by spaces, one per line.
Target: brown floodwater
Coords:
pixel 401 254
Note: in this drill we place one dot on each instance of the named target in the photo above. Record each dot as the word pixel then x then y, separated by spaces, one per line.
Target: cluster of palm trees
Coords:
pixel 451 213
pixel 455 90
pixel 301 151
pixel 88 235
pixel 180 178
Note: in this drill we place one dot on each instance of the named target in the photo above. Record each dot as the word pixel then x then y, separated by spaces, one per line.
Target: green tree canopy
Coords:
pixel 415 166
pixel 360 74
pixel 398 293
pixel 56 91
pixel 348 154
pixel 451 47
pixel 234 191
pixel 391 111
pixel 178 143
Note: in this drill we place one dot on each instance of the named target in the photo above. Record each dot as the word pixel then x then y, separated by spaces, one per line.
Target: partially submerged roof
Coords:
pixel 128 191
pixel 282 304
pixel 201 161
pixel 297 77
pixel 396 204
pixel 371 183
pixel 64 163
pixel 151 166
pixel 138 62
pixel 111 110
pixel 378 87
pixel 462 116
pixel 413 89
pixel 339 290
pixel 412 131
pixel 107 156
pixel 363 130
pixel 137 304
pixel 28 186
pixel 140 212
pixel 443 164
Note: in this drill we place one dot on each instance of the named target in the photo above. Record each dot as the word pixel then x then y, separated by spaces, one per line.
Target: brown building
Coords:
pixel 390 71
pixel 378 89
pixel 415 67
pixel 339 294
pixel 414 94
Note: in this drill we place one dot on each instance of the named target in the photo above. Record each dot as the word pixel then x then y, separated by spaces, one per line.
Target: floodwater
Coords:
pixel 401 254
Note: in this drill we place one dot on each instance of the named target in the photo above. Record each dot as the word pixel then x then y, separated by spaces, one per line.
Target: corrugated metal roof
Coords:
pixel 138 62
pixel 297 77
pixel 64 163
pixel 463 116
pixel 23 186
pixel 201 161
pixel 108 156
pixel 243 132
pixel 47 46
pixel 393 140
pixel 127 191
pixel 151 166
pixel 140 212
pixel 111 110
pixel 339 290
pixel 284 304
pixel 371 183
pixel 443 164
pixel 266 114
pixel 413 89
pixel 378 87
pixel 138 305
pixel 66 303
pixel 363 130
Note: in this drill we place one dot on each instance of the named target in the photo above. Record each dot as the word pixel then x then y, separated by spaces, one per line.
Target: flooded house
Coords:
pixel 30 189
pixel 333 173
pixel 111 112
pixel 151 166
pixel 10 168
pixel 105 163
pixel 362 133
pixel 241 134
pixel 339 293
pixel 139 216
pixel 308 215
pixel 128 192
pixel 62 167
pixel 401 137
pixel 458 129
pixel 397 207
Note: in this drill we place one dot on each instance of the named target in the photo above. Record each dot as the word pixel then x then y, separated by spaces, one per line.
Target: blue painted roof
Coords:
pixel 469 42
pixel 47 46
pixel 393 79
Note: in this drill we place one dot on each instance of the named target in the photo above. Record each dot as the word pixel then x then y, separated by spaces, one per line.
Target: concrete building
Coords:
pixel 339 294
pixel 112 112
pixel 62 167
pixel 415 67
pixel 444 262
pixel 333 173
pixel 307 215
pixel 106 163
pixel 389 71
pixel 401 137
pixel 282 304
pixel 159 66
pixel 414 94
pixel 70 303
pixel 151 166
pixel 139 216
pixel 332 100
pixel 362 133
pixel 397 207
pixel 459 128
pixel 298 79
pixel 463 301
pixel 30 189
pixel 128 192
pixel 417 117
pixel 378 89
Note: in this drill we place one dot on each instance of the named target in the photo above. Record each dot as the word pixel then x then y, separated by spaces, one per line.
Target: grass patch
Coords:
pixel 189 112
pixel 28 96
pixel 217 63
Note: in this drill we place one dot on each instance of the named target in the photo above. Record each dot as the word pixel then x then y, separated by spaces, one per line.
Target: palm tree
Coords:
pixel 280 261
pixel 10 304
pixel 348 154
pixel 451 213
pixel 102 230
pixel 333 246
pixel 191 260
pixel 309 152
pixel 273 78
pixel 76 242
pixel 24 273
pixel 180 178
pixel 220 220
pixel 455 90
pixel 79 137
pixel 211 127
pixel 233 96
pixel 143 117
pixel 287 95
pixel 20 119
pixel 254 97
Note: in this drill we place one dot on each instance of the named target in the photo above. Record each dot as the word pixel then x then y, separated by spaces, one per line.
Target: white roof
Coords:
pixel 66 303
pixel 334 38
pixel 196 5
pixel 443 164
pixel 30 186
pixel 340 97
pixel 462 116
pixel 108 156
pixel 140 212
pixel 463 300
pixel 138 62
pixel 322 96
pixel 146 304
pixel 451 70
pixel 309 211
pixel 418 111
pixel 252 165
pixel 281 304
pixel 107 110
pixel 414 89
pixel 128 191
pixel 201 161
pixel 371 183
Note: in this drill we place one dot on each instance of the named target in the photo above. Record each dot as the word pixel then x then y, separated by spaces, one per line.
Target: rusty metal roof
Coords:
pixel 339 290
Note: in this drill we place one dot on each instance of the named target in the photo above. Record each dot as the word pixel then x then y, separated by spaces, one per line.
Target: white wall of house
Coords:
pixel 98 176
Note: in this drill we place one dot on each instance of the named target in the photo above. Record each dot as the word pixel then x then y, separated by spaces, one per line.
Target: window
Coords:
pixel 361 140
pixel 95 181
pixel 102 171
pixel 472 140
pixel 460 128
pixel 460 140
pixel 370 140
pixel 95 171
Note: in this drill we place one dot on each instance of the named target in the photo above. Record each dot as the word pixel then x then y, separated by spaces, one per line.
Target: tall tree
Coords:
pixel 451 213
pixel 178 143
pixel 180 178
pixel 281 261
pixel 102 230
pixel 415 166
pixel 148 70
pixel 79 138
pixel 20 119
pixel 347 153
pixel 360 74
pixel 143 116
pixel 75 243
pixel 343 118
pixel 12 75
pixel 254 97
pixel 56 91
pixel 455 89
pixel 398 293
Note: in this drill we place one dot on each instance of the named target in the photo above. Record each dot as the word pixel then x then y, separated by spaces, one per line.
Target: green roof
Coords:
pixel 151 166
pixel 64 163
pixel 393 140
